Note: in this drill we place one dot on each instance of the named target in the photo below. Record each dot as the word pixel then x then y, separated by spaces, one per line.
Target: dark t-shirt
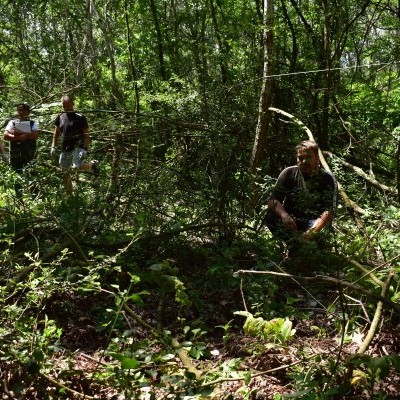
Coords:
pixel 72 126
pixel 305 197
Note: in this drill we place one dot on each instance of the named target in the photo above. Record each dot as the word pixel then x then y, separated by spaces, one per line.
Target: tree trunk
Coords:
pixel 131 62
pixel 160 46
pixel 398 169
pixel 264 116
pixel 323 135
pixel 221 45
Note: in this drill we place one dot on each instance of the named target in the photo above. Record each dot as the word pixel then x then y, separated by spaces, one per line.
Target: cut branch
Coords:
pixel 364 175
pixel 330 280
pixel 377 317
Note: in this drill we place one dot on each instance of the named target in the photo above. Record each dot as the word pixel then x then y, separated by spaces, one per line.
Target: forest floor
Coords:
pixel 273 368
pixel 240 366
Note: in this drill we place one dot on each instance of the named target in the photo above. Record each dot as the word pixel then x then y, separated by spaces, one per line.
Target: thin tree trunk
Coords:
pixel 322 137
pixel 131 61
pixel 222 48
pixel 109 47
pixel 160 46
pixel 398 169
pixel 264 115
pixel 90 47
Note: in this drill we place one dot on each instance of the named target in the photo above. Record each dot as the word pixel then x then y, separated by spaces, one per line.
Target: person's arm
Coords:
pixel 86 138
pixel 4 155
pixel 324 219
pixel 326 216
pixel 277 207
pixel 56 134
pixel 34 133
pixel 5 137
pixel 279 192
pixel 13 135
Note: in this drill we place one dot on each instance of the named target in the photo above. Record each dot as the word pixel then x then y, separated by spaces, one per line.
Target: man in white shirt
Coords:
pixel 22 133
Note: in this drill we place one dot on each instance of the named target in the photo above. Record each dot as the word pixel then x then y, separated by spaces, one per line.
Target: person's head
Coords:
pixel 23 110
pixel 67 102
pixel 307 157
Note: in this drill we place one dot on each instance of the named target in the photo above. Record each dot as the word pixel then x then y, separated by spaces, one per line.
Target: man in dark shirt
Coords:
pixel 304 197
pixel 74 129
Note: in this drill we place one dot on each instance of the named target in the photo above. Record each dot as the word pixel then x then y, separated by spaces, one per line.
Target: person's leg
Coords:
pixel 17 165
pixel 65 162
pixel 305 225
pixel 78 158
pixel 78 162
pixel 275 225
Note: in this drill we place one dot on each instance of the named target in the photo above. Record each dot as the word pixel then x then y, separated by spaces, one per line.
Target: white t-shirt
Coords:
pixel 23 126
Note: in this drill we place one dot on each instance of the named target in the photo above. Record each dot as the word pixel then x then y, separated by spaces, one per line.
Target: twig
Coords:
pixel 84 355
pixel 367 272
pixel 222 380
pixel 331 280
pixel 139 319
pixel 363 174
pixel 377 317
pixel 182 353
pixel 66 388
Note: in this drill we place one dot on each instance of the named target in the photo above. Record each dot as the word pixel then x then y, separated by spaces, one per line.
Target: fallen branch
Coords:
pixel 70 242
pixel 377 316
pixel 330 280
pixel 73 392
pixel 280 368
pixel 363 174
pixel 367 272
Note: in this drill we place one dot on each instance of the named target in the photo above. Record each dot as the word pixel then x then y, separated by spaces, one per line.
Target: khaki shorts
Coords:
pixel 73 159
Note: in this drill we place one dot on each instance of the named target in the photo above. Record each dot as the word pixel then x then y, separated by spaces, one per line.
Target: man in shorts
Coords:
pixel 74 130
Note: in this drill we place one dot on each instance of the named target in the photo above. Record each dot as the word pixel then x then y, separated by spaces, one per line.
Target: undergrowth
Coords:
pixel 95 307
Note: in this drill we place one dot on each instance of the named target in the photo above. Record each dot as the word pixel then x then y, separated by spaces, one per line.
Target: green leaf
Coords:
pixel 380 365
pixel 32 366
pixel 247 377
pixel 286 330
pixel 130 363
pixel 395 359
pixel 38 355
pixel 126 362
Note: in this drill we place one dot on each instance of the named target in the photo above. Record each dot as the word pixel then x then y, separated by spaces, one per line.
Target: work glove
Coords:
pixel 4 157
pixel 82 154
pixel 53 152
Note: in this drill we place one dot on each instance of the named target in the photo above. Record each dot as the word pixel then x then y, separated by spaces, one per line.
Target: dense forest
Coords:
pixel 158 279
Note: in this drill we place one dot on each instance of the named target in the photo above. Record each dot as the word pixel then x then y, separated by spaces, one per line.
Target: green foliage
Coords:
pixel 226 328
pixel 276 330
pixel 197 349
pixel 171 91
pixel 165 277
pixel 367 370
